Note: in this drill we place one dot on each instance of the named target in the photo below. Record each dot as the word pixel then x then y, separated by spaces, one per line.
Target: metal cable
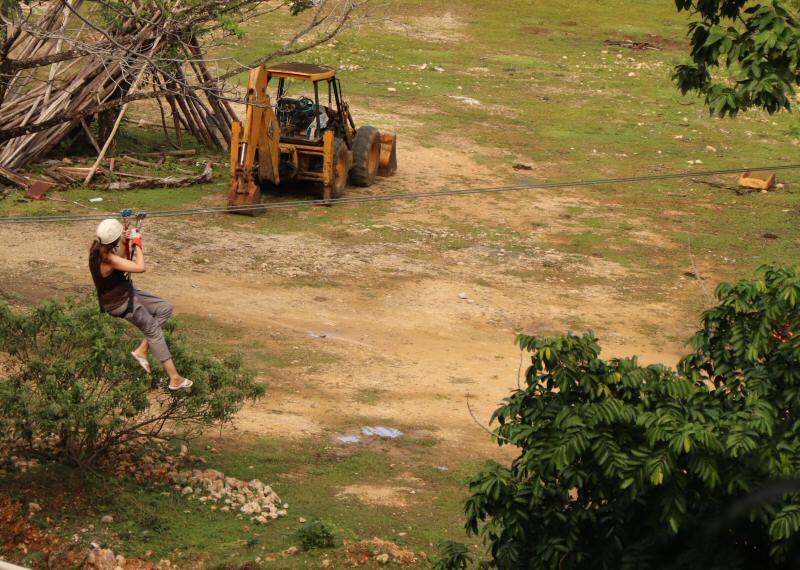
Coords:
pixel 253 208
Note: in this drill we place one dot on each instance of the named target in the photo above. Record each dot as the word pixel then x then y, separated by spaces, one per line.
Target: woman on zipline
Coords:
pixel 119 298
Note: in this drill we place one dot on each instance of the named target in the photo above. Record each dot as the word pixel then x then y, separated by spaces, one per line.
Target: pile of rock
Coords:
pixel 252 498
pixel 380 551
pixel 249 498
pixel 104 559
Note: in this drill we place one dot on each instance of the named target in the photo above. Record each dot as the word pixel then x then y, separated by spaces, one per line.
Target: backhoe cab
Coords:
pixel 298 138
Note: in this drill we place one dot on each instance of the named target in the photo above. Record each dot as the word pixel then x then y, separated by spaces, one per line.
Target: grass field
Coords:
pixel 550 93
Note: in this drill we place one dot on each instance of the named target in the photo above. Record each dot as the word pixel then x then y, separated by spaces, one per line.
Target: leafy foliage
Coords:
pixel 744 54
pixel 630 466
pixel 454 556
pixel 298 6
pixel 68 382
pixel 315 534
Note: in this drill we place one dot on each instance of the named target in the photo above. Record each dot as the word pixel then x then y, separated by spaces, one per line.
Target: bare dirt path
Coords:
pixel 367 332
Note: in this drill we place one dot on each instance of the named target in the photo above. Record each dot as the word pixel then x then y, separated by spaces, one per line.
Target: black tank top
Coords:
pixel 112 291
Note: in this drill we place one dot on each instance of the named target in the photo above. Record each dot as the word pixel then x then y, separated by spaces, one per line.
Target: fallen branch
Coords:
pixel 168 182
pixel 132 160
pixel 712 184
pixel 188 152
pixel 631 44
pixel 70 174
pixel 11 178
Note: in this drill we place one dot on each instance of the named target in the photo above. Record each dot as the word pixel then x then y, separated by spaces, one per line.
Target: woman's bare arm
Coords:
pixel 126 265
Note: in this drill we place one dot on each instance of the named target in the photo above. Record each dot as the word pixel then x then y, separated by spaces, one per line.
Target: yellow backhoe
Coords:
pixel 297 138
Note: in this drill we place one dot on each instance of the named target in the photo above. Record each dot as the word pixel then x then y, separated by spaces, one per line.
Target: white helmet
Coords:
pixel 108 231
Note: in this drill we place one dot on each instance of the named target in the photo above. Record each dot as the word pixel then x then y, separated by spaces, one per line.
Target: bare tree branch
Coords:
pixel 109 45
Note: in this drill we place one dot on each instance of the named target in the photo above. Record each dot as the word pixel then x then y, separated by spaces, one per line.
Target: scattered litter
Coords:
pixel 466 100
pixel 380 431
pixel 38 189
pixel 754 182
pixel 442 468
pixel 320 334
pixel 95 200
pixel 522 166
pixel 368 431
pixel 348 439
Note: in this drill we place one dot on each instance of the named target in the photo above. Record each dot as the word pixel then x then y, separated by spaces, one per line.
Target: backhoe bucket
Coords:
pixel 388 163
pixel 244 192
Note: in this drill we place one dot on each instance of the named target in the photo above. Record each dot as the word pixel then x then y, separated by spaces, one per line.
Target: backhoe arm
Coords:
pixel 255 146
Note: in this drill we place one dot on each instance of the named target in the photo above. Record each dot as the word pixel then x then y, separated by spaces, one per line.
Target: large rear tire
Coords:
pixel 366 156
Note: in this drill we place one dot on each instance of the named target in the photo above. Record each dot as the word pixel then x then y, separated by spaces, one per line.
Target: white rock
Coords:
pixel 250 508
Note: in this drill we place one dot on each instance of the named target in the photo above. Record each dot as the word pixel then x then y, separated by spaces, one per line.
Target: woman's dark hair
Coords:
pixel 98 251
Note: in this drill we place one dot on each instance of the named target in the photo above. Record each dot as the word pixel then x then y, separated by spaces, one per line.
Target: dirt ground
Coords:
pixel 400 332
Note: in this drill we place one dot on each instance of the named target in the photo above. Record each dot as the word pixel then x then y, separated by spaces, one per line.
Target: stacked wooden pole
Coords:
pixel 129 62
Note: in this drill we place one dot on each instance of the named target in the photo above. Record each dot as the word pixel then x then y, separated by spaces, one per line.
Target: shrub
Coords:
pixel 630 466
pixel 453 556
pixel 315 534
pixel 69 386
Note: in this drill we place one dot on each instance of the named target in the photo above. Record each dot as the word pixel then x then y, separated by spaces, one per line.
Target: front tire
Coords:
pixel 366 156
pixel 340 168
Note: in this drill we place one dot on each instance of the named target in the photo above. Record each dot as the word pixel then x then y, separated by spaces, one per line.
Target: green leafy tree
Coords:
pixel 630 466
pixel 744 54
pixel 69 387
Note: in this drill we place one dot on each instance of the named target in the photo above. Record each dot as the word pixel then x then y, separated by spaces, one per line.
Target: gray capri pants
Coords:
pixel 149 314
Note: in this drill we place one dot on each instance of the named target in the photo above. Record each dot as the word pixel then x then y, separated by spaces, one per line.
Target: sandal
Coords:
pixel 186 384
pixel 143 362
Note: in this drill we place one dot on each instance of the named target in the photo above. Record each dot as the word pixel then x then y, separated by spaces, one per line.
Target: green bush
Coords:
pixel 315 534
pixel 630 466
pixel 69 386
pixel 453 556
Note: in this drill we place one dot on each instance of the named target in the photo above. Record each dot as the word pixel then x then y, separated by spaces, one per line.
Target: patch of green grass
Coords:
pixel 261 354
pixel 308 474
pixel 585 109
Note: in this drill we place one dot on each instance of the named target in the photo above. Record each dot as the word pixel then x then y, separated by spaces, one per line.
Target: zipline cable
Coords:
pixel 253 208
